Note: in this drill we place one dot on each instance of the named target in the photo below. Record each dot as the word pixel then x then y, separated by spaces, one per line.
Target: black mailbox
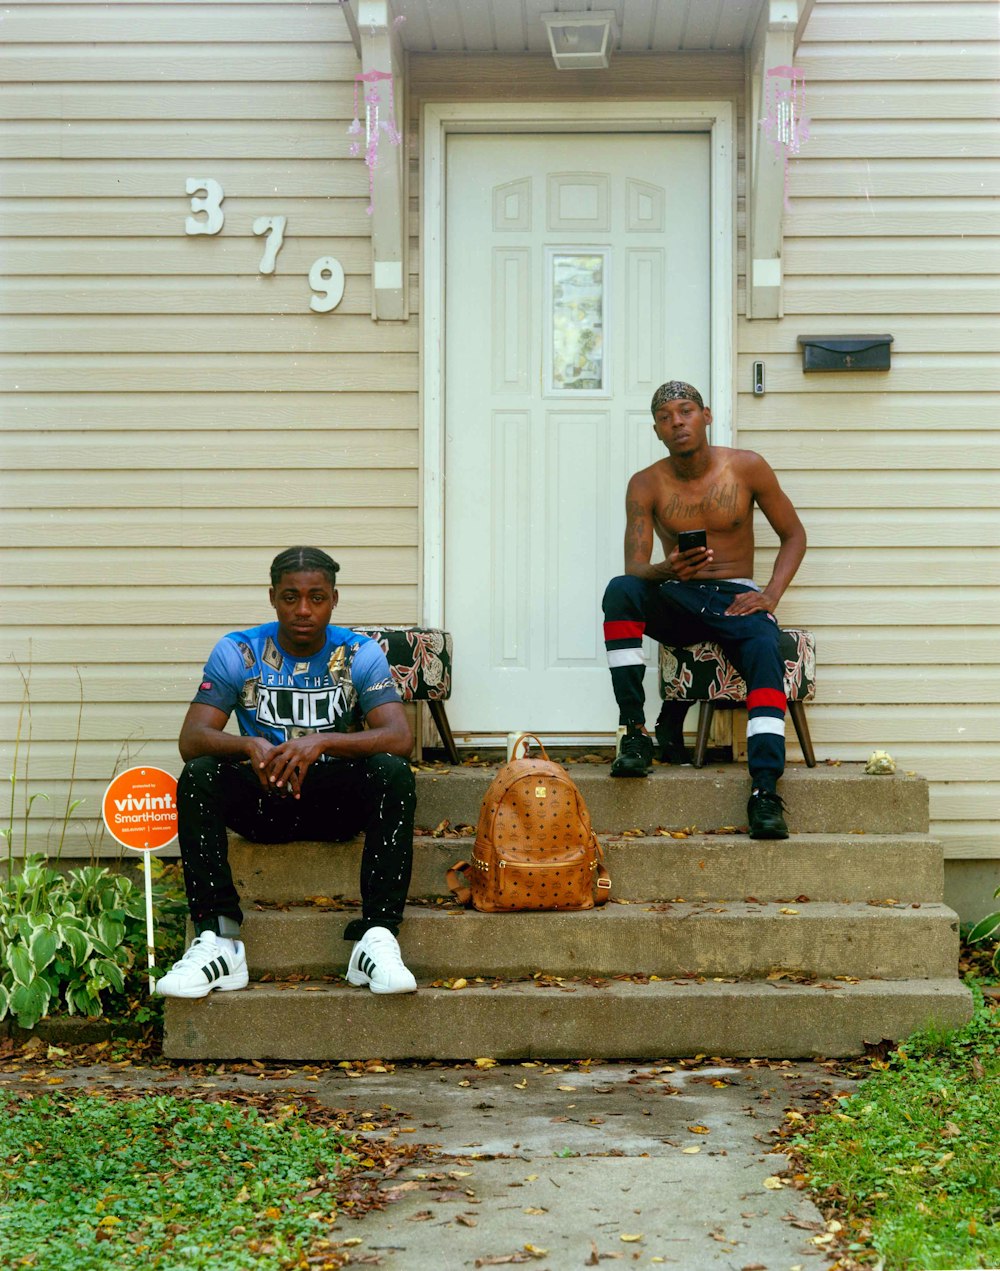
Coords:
pixel 845 352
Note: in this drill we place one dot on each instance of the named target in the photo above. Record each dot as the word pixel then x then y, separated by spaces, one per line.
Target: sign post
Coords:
pixel 140 812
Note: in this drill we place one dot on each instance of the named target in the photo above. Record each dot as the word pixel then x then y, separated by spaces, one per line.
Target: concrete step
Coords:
pixel 700 867
pixel 523 1021
pixel 822 800
pixel 726 939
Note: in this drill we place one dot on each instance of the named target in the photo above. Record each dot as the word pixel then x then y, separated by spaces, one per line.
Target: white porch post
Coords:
pixel 773 45
pixel 379 51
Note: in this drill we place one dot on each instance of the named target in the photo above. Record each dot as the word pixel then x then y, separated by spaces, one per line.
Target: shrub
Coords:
pixel 69 941
pixel 988 928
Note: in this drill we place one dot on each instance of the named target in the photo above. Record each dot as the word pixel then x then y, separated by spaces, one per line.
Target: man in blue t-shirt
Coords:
pixel 322 754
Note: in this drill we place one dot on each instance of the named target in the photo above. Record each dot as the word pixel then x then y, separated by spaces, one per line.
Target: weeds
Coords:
pixel 909 1162
pixel 67 940
pixel 87 1183
pixel 988 928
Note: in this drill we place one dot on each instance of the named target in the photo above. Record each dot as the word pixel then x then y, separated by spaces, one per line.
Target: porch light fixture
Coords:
pixel 581 41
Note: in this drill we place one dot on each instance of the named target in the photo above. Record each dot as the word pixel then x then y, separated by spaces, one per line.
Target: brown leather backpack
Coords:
pixel 535 848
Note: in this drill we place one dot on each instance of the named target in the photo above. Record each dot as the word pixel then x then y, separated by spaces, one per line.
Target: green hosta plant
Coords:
pixel 68 941
pixel 988 928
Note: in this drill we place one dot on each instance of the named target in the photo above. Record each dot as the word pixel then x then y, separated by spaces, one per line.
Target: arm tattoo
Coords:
pixel 636 531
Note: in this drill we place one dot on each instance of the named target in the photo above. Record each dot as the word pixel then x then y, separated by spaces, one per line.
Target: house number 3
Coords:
pixel 326 275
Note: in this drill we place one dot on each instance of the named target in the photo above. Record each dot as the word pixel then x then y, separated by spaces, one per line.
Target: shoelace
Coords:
pixel 384 947
pixel 194 951
pixel 770 796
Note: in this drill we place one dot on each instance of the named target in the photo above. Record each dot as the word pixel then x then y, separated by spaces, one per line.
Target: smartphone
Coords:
pixel 689 539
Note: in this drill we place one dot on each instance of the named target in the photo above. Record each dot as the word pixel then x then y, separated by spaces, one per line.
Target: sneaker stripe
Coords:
pixel 225 967
pixel 207 972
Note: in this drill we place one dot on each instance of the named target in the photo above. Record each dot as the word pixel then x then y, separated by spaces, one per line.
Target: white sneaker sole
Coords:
pixel 227 984
pixel 359 979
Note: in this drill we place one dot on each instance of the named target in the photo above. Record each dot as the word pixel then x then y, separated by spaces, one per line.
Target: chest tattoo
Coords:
pixel 718 498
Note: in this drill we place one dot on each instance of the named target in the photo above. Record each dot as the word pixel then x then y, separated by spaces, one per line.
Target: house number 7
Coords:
pixel 274 228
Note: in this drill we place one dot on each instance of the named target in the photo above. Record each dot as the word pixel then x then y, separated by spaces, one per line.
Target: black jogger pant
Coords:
pixel 679 613
pixel 339 799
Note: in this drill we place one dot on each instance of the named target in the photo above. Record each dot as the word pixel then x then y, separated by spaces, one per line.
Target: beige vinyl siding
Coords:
pixel 892 228
pixel 171 418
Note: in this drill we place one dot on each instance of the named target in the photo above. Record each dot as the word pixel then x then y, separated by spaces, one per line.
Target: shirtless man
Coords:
pixel 704 593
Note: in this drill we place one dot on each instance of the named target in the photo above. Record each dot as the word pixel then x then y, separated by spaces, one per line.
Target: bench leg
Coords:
pixel 797 710
pixel 706 710
pixel 443 727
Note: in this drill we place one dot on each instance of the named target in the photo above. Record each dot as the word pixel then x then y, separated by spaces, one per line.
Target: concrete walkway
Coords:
pixel 617 1162
pixel 563 1165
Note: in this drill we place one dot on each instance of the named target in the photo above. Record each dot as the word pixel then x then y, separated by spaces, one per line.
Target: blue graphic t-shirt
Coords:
pixel 278 696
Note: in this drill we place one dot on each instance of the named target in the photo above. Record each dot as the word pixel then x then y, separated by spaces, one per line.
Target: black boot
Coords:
pixel 635 755
pixel 670 734
pixel 764 815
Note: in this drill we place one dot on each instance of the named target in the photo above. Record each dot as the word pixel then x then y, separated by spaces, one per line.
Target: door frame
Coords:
pixel 437 121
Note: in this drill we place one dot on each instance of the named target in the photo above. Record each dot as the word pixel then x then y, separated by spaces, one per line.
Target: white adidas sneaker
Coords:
pixel 376 961
pixel 208 964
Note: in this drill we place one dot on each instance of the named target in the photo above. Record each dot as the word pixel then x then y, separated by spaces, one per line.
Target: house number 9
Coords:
pixel 326 275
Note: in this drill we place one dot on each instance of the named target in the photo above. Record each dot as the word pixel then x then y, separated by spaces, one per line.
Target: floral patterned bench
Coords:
pixel 420 661
pixel 702 673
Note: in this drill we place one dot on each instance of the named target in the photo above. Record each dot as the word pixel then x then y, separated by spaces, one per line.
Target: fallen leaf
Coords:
pixel 535 1251
pixel 690 1151
pixel 534 1209
pixel 788 911
pixel 521 1085
pixel 773 1183
pixel 468 1221
pixel 698 1129
pixel 568 1089
pixel 486 1063
pixel 630 1239
pixel 460 984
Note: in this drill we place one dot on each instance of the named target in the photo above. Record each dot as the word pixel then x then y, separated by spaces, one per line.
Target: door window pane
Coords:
pixel 577 292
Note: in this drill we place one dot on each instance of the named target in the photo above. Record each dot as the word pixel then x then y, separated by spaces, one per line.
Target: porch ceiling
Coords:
pixel 515 26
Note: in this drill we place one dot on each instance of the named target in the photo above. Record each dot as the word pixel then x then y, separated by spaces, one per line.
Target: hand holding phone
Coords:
pixel 688 540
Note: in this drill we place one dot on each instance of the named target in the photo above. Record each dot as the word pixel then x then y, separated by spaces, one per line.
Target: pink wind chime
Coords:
pixel 376 126
pixel 785 122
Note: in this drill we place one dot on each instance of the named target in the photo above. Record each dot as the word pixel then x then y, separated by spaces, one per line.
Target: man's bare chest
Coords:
pixel 721 505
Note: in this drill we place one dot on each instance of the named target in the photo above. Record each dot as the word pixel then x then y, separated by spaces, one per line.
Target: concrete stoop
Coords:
pixel 713 943
pixel 619 1020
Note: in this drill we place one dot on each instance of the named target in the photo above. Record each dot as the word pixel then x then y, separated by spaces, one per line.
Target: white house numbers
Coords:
pixel 274 228
pixel 326 275
pixel 211 205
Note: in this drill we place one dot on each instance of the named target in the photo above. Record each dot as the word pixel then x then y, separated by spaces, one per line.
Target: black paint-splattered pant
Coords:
pixel 339 799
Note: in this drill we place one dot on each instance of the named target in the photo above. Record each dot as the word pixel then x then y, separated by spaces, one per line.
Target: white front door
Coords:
pixel 577 280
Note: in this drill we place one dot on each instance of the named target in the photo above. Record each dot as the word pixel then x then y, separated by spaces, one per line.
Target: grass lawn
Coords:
pixel 160 1181
pixel 910 1162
